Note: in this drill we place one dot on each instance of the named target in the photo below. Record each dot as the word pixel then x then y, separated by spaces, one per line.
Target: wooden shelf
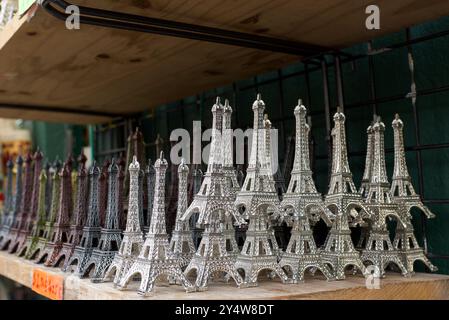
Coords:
pixel 119 72
pixel 421 286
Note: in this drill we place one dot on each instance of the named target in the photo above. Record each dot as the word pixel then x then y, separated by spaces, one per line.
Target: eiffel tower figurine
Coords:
pixel 228 150
pixel 155 258
pixel 172 197
pixel 103 192
pixel 364 186
pixel 132 236
pixel 8 209
pixel 197 231
pixel 304 202
pixel 404 194
pixel 343 200
pixel 38 254
pixel 379 250
pixel 111 234
pixel 90 238
pixel 61 227
pixel 181 242
pixel 150 174
pixel 258 196
pixel 79 215
pixel 213 203
pixel 18 230
pixel 39 223
pixel 32 216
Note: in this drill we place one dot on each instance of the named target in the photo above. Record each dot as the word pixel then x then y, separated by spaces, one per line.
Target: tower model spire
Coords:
pixel 258 197
pixel 155 258
pixel 132 236
pixel 344 201
pixel 304 203
pixel 404 194
pixel 378 249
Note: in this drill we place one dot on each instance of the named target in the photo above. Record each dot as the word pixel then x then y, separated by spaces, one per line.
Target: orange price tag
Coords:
pixel 48 285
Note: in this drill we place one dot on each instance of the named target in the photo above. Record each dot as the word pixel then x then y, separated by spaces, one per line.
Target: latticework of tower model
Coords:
pixel 404 194
pixel 304 203
pixel 155 258
pixel 344 201
pixel 378 249
pixel 214 205
pixel 132 241
pixel 258 196
pixel 90 238
pixel 181 242
pixel 110 239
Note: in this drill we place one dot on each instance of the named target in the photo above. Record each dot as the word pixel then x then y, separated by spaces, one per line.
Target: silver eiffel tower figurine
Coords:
pixel 344 201
pixel 404 194
pixel 214 204
pixel 258 198
pixel 215 193
pixel 379 250
pixel 132 236
pixel 90 239
pixel 181 242
pixel 155 258
pixel 304 203
pixel 110 238
pixel 364 226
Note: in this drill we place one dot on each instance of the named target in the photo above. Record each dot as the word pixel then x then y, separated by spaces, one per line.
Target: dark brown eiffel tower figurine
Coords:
pixel 90 239
pixel 38 253
pixel 172 198
pixel 31 220
pixel 79 214
pixel 150 175
pixel 111 234
pixel 18 235
pixel 404 194
pixel 61 228
pixel 9 210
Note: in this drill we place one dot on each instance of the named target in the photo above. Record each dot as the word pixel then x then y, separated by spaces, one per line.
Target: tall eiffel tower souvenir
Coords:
pixel 343 200
pixel 214 203
pixel 258 196
pixel 304 202
pixel 90 238
pixel 150 174
pixel 181 242
pixel 132 236
pixel 18 232
pixel 61 227
pixel 38 253
pixel 379 250
pixel 404 194
pixel 79 215
pixel 111 234
pixel 155 258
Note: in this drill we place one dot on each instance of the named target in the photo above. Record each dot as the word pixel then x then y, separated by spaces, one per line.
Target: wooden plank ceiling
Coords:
pixel 109 71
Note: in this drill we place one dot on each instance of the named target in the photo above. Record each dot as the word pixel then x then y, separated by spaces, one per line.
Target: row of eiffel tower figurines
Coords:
pixel 76 241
